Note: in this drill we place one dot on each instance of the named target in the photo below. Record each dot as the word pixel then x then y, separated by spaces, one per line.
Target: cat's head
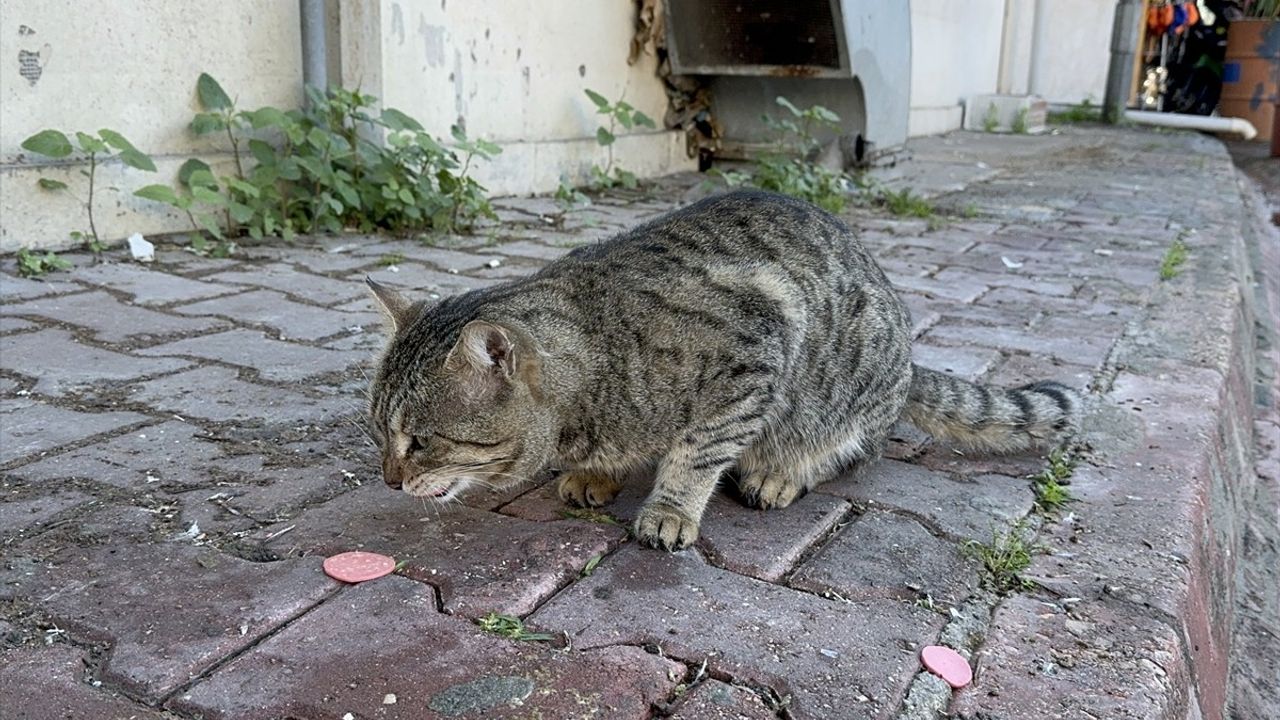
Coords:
pixel 457 402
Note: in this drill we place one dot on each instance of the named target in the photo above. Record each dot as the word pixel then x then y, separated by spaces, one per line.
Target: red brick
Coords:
pixel 39 683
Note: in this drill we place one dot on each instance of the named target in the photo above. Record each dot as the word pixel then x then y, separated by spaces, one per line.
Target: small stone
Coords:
pixel 495 263
pixel 389 699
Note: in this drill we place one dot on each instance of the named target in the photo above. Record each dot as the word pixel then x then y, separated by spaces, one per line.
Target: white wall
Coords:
pixel 1072 49
pixel 955 53
pixel 130 67
pixel 514 71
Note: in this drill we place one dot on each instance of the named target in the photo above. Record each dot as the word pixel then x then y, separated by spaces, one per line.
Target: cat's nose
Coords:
pixel 392 473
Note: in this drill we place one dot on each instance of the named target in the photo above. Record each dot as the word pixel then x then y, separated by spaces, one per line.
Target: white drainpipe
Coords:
pixel 1238 126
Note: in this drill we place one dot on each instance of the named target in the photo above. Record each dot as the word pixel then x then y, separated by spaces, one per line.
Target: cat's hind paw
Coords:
pixel 665 528
pixel 587 489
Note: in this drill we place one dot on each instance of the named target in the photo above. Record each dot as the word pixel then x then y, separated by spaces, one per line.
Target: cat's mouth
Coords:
pixel 438 488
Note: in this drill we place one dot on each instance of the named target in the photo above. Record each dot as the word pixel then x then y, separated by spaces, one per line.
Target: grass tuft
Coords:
pixel 1003 559
pixel 391 259
pixel 1173 260
pixel 511 628
pixel 590 515
pixel 904 203
pixel 1051 490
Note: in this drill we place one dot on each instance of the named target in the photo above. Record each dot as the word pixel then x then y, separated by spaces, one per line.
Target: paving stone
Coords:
pixel 536 251
pixel 1038 663
pixel 149 287
pixel 961 288
pixel 31 428
pixel 8 387
pixel 217 394
pixel 324 263
pixel 1087 350
pixel 18 514
pixel 827 656
pixel 10 324
pixel 886 555
pixel 479 561
pixel 60 364
pixel 761 544
pixel 283 278
pixel 168 455
pixel 967 363
pixel 714 700
pixel 1016 370
pixel 183 261
pixel 964 508
pixel 46 683
pixel 17 288
pixel 420 280
pixel 385 638
pixel 214 605
pixel 507 271
pixel 441 258
pixel 264 307
pixel 273 359
pixel 109 320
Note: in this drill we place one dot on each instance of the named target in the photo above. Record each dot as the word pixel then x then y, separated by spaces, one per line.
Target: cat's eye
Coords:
pixel 475 443
pixel 416 444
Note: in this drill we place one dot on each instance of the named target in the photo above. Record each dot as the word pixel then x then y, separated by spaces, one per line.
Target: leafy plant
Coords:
pixel 1084 111
pixel 619 113
pixel 567 196
pixel 1020 122
pixel 391 259
pixel 991 120
pixel 904 203
pixel 510 627
pixel 107 143
pixel 1003 559
pixel 1173 260
pixel 319 169
pixel 1051 493
pixel 33 265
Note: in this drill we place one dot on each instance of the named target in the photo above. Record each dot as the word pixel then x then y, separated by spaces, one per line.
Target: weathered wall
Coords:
pixel 1073 49
pixel 514 71
pixel 131 67
pixel 955 53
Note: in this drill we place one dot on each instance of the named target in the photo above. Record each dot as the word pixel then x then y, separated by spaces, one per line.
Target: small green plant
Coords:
pixel 34 265
pixel 97 148
pixel 619 113
pixel 567 196
pixel 1051 491
pixel 316 170
pixel 904 203
pixel 1173 260
pixel 1020 122
pixel 1084 111
pixel 204 247
pixel 591 565
pixel 391 259
pixel 991 120
pixel 590 515
pixel 1004 558
pixel 969 211
pixel 510 627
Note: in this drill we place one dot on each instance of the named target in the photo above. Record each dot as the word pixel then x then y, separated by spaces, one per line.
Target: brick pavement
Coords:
pixel 181 444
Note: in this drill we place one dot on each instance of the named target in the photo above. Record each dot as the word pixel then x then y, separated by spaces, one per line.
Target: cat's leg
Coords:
pixel 777 471
pixel 585 488
pixel 687 476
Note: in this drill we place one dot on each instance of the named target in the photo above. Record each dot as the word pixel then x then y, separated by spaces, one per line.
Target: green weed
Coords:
pixel 1020 122
pixel 904 203
pixel 1085 111
pixel 1173 260
pixel 991 120
pixel 34 265
pixel 391 259
pixel 510 627
pixel 1003 558
pixel 619 113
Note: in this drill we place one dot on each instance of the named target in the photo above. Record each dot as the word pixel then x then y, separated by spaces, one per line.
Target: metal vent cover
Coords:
pixel 786 38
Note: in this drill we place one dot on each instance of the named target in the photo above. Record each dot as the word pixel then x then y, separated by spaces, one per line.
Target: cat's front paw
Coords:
pixel 665 528
pixel 765 491
pixel 587 489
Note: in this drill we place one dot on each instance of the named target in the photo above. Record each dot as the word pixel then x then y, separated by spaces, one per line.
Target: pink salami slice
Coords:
pixel 357 566
pixel 947 664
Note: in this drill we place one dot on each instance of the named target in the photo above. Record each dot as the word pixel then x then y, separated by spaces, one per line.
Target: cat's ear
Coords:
pixel 394 306
pixel 483 347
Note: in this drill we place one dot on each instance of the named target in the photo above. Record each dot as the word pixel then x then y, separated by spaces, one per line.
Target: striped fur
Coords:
pixel 749 334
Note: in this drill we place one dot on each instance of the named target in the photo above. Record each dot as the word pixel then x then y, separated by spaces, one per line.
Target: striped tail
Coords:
pixel 988 418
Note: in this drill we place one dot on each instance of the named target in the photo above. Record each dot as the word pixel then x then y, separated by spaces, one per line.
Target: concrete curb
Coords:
pixel 1139 599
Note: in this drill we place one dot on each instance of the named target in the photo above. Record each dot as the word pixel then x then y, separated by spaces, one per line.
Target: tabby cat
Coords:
pixel 749 335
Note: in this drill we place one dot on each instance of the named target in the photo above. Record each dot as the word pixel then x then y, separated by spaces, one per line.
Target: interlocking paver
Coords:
pixel 147 286
pixel 480 561
pixel 441 258
pixel 168 455
pixel 714 700
pixel 29 428
pixel 9 324
pixel 217 394
pixel 422 279
pixel 761 544
pixel 16 288
pixel 169 611
pixel 46 683
pixel 109 320
pixel 886 555
pixel 835 659
pixel 967 363
pixel 289 319
pixel 385 638
pixel 283 278
pixel 1089 350
pixel 18 513
pixel 60 364
pixel 966 508
pixel 273 359
pixel 536 251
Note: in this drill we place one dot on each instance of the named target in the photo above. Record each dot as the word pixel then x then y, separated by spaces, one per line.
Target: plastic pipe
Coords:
pixel 1239 126
pixel 315 52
